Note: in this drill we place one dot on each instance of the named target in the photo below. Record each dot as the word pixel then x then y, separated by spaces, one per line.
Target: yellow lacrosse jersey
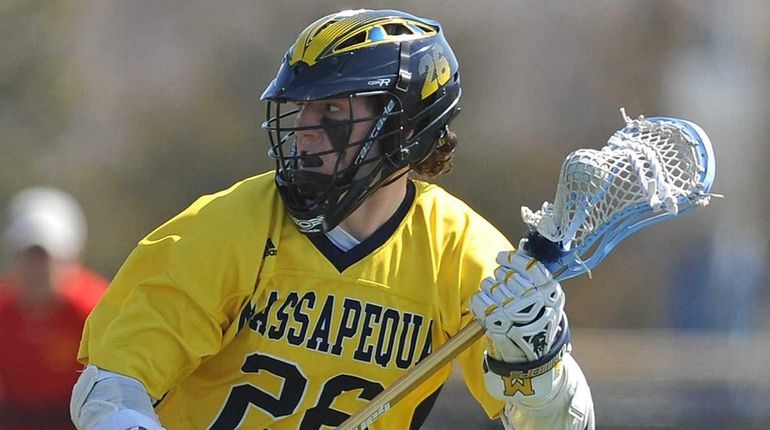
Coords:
pixel 234 319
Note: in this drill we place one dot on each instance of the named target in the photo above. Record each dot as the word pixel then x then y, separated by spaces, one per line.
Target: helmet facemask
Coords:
pixel 318 201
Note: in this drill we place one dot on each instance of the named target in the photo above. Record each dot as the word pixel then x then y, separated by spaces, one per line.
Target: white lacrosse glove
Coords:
pixel 522 310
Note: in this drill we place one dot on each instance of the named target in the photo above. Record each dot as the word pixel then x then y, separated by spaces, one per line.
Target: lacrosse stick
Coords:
pixel 652 170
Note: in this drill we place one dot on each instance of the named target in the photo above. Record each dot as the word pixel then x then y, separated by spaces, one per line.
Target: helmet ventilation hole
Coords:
pixel 396 29
pixel 353 40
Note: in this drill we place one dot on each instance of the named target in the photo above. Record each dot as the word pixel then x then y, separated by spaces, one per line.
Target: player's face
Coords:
pixel 34 270
pixel 334 116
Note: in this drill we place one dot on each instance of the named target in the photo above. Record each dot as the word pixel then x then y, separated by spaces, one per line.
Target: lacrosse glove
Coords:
pixel 522 311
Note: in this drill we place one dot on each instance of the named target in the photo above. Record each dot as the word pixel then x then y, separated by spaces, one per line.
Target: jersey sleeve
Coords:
pixel 469 260
pixel 177 298
pixel 478 262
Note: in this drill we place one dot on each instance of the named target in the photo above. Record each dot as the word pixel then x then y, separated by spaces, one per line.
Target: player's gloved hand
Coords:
pixel 522 310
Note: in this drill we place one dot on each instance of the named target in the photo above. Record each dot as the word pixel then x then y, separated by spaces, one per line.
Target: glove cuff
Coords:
pixel 531 369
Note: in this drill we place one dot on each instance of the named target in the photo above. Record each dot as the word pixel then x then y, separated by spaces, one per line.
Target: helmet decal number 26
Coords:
pixel 435 66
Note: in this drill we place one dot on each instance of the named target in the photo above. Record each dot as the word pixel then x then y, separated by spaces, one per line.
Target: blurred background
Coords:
pixel 136 108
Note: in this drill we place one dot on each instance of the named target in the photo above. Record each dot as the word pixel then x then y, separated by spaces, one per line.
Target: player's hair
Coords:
pixel 441 160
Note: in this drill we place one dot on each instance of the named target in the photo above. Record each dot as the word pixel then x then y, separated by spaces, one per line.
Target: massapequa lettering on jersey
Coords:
pixel 368 332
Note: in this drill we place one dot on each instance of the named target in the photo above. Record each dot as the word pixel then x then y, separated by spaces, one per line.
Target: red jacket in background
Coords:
pixel 38 349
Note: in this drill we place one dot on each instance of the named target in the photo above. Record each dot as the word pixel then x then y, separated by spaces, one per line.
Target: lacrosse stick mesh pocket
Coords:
pixel 651 165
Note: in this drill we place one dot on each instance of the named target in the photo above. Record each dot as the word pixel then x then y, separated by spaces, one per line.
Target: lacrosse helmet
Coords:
pixel 406 67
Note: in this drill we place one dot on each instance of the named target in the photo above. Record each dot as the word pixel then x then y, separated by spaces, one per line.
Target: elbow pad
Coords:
pixel 103 400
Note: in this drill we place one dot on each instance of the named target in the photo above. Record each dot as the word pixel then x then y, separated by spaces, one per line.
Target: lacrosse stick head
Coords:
pixel 651 170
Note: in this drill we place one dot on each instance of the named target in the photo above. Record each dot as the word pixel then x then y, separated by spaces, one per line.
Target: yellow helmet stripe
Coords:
pixel 329 32
pixel 313 43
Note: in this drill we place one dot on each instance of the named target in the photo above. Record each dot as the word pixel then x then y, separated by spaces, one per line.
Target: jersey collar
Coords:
pixel 344 259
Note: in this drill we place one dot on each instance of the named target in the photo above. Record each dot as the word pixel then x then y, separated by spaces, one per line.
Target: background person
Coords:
pixel 45 296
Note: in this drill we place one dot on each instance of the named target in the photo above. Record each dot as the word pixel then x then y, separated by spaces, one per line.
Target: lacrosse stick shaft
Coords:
pixel 416 376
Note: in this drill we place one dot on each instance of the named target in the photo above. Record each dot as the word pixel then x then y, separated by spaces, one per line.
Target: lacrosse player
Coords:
pixel 294 297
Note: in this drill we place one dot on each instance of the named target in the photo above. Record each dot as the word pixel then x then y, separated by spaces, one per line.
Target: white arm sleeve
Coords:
pixel 103 400
pixel 568 406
